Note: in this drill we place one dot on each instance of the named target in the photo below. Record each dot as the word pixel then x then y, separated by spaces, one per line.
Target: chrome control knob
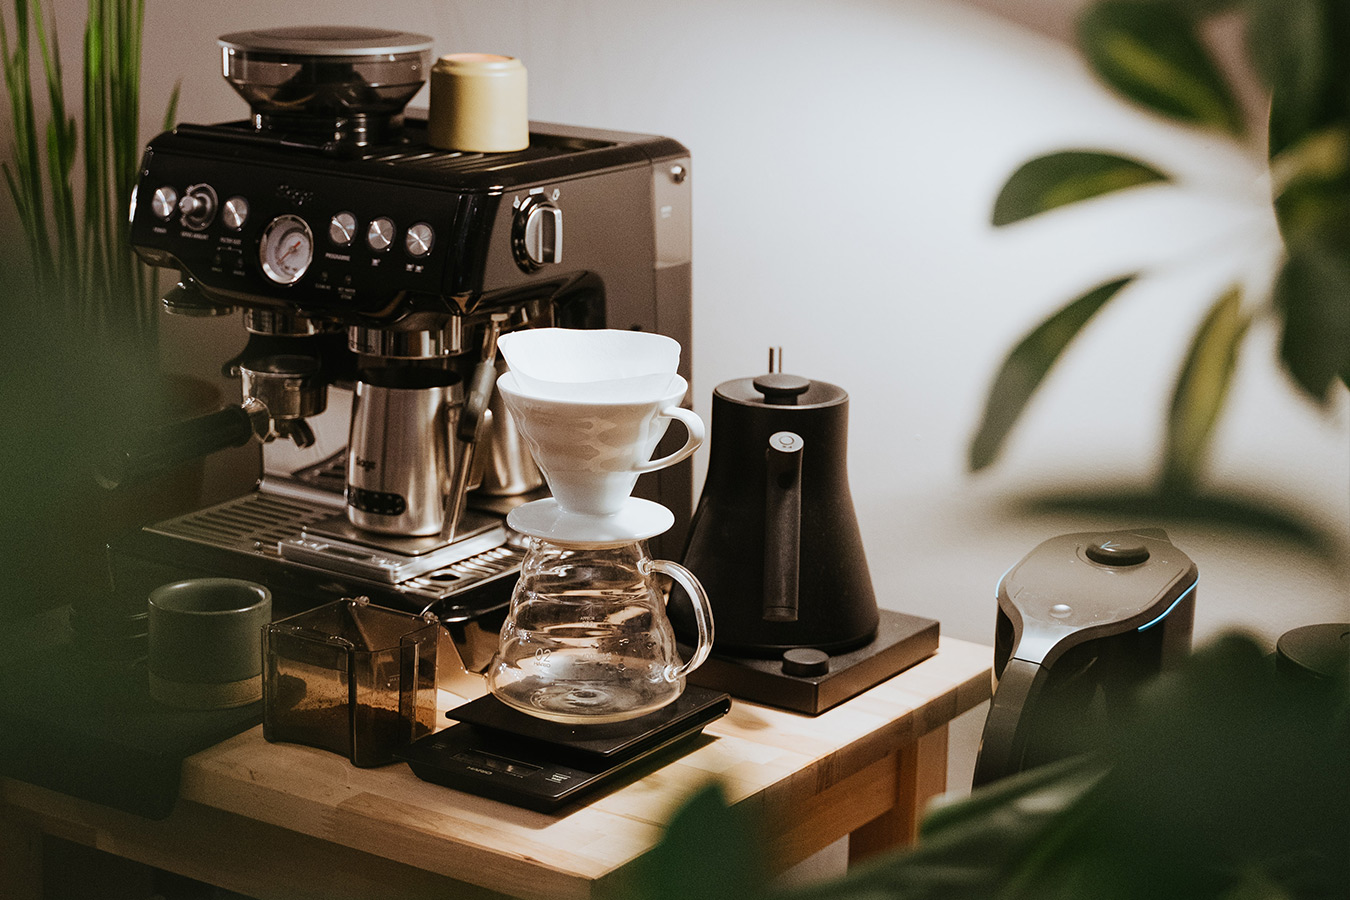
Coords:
pixel 380 234
pixel 536 234
pixel 198 206
pixel 342 229
pixel 164 203
pixel 418 240
pixel 234 213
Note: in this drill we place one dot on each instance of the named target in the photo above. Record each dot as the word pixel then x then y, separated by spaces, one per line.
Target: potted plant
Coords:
pixel 1152 52
pixel 81 366
pixel 75 221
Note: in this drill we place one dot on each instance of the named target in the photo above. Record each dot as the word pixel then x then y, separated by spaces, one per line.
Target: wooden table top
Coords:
pixel 768 757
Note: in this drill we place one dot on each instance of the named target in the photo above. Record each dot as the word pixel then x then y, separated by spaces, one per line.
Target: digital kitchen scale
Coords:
pixel 503 754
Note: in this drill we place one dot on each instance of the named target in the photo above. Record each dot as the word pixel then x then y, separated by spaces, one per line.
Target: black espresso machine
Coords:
pixel 374 269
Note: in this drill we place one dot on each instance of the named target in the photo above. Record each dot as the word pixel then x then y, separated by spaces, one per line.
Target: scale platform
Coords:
pixel 503 754
pixel 811 681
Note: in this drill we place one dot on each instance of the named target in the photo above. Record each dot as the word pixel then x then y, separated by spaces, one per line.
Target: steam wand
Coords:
pixel 471 425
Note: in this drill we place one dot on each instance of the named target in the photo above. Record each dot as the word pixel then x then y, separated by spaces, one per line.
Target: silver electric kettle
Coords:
pixel 1082 621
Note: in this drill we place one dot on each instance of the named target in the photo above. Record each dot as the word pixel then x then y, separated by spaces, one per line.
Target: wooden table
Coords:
pixel 291 822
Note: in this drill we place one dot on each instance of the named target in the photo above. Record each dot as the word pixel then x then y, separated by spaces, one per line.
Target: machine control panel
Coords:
pixel 304 238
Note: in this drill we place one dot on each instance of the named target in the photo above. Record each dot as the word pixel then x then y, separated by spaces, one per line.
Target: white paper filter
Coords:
pixel 597 365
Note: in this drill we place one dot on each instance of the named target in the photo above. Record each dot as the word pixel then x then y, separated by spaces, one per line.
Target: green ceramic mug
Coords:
pixel 206 642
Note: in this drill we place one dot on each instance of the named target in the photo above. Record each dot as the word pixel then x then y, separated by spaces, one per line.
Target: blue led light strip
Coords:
pixel 1149 625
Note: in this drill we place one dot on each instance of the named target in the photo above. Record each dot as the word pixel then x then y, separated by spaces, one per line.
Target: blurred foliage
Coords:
pixel 1229 781
pixel 80 369
pixel 71 180
pixel 1153 54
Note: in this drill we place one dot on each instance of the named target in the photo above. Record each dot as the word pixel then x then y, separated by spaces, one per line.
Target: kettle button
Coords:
pixel 1112 552
pixel 803 662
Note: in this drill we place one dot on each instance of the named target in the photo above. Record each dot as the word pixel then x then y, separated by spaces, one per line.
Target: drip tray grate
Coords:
pixel 253 523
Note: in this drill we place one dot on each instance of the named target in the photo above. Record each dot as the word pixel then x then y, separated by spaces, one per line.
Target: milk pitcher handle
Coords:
pixel 693 424
pixel 702 611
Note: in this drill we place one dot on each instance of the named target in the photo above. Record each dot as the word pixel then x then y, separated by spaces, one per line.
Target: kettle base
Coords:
pixel 902 640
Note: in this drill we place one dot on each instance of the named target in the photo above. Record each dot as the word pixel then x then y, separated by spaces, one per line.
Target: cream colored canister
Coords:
pixel 478 104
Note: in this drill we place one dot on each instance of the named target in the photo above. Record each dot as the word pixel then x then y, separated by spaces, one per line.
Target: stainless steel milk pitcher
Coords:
pixel 402 457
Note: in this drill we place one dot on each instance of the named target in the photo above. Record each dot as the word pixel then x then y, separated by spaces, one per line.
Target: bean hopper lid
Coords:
pixel 336 83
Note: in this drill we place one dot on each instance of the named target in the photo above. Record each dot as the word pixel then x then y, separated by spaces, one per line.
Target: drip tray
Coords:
pixel 333 544
pixel 902 640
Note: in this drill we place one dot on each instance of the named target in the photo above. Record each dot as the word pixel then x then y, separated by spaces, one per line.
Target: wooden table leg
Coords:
pixel 20 860
pixel 922 776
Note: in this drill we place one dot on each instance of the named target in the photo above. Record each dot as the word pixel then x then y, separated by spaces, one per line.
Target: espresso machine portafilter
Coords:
pixel 374 272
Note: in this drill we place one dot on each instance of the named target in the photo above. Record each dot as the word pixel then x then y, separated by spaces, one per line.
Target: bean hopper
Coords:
pixel 373 273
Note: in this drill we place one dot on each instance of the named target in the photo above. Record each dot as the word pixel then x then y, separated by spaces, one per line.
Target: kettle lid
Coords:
pixel 781 391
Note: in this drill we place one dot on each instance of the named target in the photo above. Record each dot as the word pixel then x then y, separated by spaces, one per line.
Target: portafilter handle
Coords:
pixel 165 446
pixel 280 391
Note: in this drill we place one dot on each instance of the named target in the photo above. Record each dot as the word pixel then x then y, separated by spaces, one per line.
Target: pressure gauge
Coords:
pixel 287 249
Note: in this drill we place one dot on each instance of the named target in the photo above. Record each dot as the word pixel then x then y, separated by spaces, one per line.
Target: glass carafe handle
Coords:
pixel 702 611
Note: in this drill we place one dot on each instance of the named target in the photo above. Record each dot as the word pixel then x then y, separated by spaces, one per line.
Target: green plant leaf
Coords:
pixel 1291 46
pixel 709 850
pixel 1068 176
pixel 1311 182
pixel 978 843
pixel 171 111
pixel 1026 367
pixel 1202 389
pixel 1312 297
pixel 1151 52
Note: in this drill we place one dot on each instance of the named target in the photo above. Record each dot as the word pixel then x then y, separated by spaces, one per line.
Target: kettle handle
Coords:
pixel 782 526
pixel 1004 742
pixel 702 612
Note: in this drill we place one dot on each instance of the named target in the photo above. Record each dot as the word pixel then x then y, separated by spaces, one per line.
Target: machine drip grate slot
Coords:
pixel 253 523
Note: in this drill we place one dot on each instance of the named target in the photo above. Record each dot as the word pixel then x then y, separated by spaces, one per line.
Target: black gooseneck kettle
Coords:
pixel 1082 621
pixel 774 539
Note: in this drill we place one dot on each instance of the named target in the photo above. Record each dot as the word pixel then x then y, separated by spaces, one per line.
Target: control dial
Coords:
pixel 380 234
pixel 164 203
pixel 536 233
pixel 342 229
pixel 287 249
pixel 234 213
pixel 418 240
pixel 198 206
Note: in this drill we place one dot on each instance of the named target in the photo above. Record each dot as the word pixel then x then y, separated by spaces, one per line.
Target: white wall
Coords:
pixel 846 154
